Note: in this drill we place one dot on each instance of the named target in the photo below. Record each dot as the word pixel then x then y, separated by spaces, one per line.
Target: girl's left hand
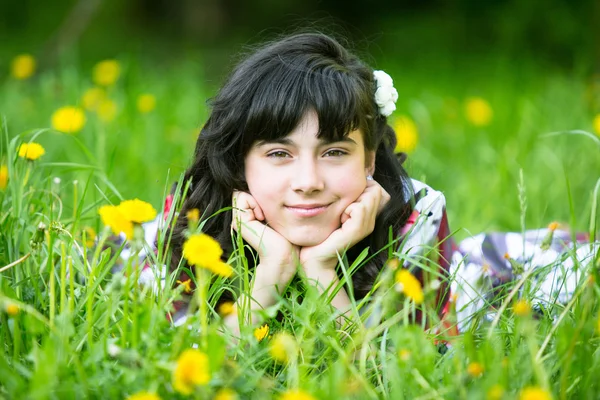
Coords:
pixel 358 221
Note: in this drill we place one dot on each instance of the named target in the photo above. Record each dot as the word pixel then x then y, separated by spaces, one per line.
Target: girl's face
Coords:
pixel 303 184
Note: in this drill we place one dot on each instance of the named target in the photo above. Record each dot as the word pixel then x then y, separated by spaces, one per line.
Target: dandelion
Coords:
pixel 193 215
pixel 3 177
pixel 225 394
pixel 12 309
pixel 475 369
pixel 535 393
pixel 409 285
pixel 522 308
pixel 187 285
pixel 407 135
pixel 31 151
pixel 137 210
pixel 495 393
pixel 296 394
pixel 92 98
pixel 478 111
pixel 106 72
pixel 106 110
pixel 192 370
pixel 113 217
pixel 227 308
pixel 203 251
pixel 144 396
pixel 68 119
pixel 22 66
pixel 283 347
pixel 404 355
pixel 553 226
pixel 261 332
pixel 146 103
pixel 596 124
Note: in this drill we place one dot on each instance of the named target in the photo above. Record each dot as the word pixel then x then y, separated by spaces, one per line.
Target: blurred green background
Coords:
pixel 534 63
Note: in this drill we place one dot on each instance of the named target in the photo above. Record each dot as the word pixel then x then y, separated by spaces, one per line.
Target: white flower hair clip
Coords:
pixel 386 94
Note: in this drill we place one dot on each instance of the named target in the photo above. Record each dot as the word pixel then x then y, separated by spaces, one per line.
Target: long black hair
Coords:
pixel 265 98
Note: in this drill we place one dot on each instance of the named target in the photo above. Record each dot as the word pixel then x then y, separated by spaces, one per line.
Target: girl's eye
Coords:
pixel 278 154
pixel 335 153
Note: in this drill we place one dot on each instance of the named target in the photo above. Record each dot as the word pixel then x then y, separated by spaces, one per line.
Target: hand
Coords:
pixel 358 221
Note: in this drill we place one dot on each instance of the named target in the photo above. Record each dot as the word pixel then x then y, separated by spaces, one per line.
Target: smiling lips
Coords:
pixel 307 210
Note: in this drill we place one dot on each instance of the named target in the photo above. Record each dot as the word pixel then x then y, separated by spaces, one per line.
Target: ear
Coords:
pixel 370 162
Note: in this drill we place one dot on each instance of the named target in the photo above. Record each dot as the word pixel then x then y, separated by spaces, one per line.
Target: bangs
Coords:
pixel 285 94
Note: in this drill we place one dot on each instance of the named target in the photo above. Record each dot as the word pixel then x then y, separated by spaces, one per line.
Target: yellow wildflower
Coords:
pixel 3 177
pixel 220 268
pixel 228 308
pixel 534 393
pixel 31 151
pixel 478 111
pixel 283 347
pixel 203 251
pixel 193 215
pixel 144 396
pixel 146 103
pixel 522 308
pixel 187 285
pixel 107 110
pixel 225 394
pixel 106 72
pixel 553 226
pixel 261 332
pixel 137 210
pixel 68 119
pixel 409 285
pixel 296 394
pixel 113 217
pixel 404 355
pixel 192 370
pixel 12 309
pixel 22 66
pixel 90 236
pixel 596 124
pixel 475 369
pixel 92 98
pixel 407 135
pixel 495 393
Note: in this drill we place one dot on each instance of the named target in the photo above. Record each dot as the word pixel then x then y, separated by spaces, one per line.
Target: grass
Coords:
pixel 71 327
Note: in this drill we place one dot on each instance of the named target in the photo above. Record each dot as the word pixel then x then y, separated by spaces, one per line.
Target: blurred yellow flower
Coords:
pixel 203 251
pixel 187 285
pixel 12 309
pixel 407 135
pixel 227 308
pixel 522 308
pixel 31 151
pixel 409 285
pixel 261 332
pixel 192 370
pixel 68 119
pixel 92 98
pixel 283 347
pixel 146 103
pixel 296 394
pixel 90 236
pixel 404 355
pixel 475 369
pixel 106 72
pixel 478 111
pixel 144 396
pixel 3 177
pixel 193 215
pixel 137 210
pixel 113 217
pixel 22 66
pixel 225 394
pixel 597 124
pixel 107 110
pixel 495 393
pixel 535 393
pixel 553 226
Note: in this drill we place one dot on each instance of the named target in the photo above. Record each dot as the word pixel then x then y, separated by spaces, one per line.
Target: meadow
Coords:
pixel 511 146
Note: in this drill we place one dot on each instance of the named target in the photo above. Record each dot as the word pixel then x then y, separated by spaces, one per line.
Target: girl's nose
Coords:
pixel 307 178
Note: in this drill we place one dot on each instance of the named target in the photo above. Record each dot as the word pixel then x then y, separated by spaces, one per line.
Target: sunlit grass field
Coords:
pixel 512 146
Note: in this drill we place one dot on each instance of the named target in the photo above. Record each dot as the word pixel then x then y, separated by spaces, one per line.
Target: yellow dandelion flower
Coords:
pixel 106 72
pixel 31 151
pixel 535 393
pixel 522 308
pixel 393 264
pixel 225 394
pixel 107 110
pixel 192 370
pixel 478 111
pixel 3 177
pixel 283 347
pixel 68 119
pixel 12 309
pixel 220 268
pixel 146 103
pixel 137 210
pixel 409 285
pixel 553 226
pixel 114 218
pixel 187 285
pixel 261 332
pixel 495 393
pixel 144 396
pixel 228 308
pixel 22 66
pixel 475 369
pixel 296 394
pixel 90 236
pixel 596 124
pixel 407 135
pixel 92 98
pixel 202 250
pixel 404 355
pixel 193 215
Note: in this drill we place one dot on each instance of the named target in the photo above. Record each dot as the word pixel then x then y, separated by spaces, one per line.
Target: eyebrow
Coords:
pixel 286 141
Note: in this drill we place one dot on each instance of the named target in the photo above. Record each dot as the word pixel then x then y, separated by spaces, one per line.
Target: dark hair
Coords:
pixel 265 98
